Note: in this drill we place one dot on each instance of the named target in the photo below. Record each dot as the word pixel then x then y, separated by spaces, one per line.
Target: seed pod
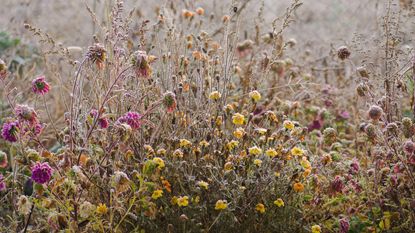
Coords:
pixel 362 71
pixel 375 112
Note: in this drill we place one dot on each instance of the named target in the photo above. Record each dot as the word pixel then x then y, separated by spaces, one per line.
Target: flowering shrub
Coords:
pixel 176 129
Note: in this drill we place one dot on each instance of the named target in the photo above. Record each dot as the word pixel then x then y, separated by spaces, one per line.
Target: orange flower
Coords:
pixel 298 187
pixel 166 185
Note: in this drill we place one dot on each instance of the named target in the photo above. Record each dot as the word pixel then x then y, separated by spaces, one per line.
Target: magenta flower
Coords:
pixel 10 131
pixel 344 225
pixel 40 86
pixel 41 172
pixel 337 185
pixel 133 119
pixel 2 183
pixel 25 113
pixel 102 121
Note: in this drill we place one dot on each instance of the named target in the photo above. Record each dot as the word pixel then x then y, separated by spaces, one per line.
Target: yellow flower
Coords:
pixel 255 150
pixel 183 201
pixel 277 174
pixel 159 161
pixel 238 119
pixel 196 199
pixel 258 162
pixel 239 133
pixel 161 151
pixel 288 125
pixel 260 208
pixel 185 143
pixel 228 166
pixel 297 151
pixel 279 202
pixel 204 143
pixel 298 187
pixel 305 163
pixel 271 153
pixel 157 194
pixel 261 131
pixel 174 200
pixel 221 205
pixel 255 96
pixel 178 153
pixel 203 184
pixel 102 209
pixel 306 172
pixel 315 229
pixel 215 95
pixel 232 144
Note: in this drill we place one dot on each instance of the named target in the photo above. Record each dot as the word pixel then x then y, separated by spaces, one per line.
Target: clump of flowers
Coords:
pixel 40 86
pixel 133 119
pixel 41 172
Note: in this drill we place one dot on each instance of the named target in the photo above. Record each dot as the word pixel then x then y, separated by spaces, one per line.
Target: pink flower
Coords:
pixel 40 86
pixel 10 131
pixel 133 119
pixel 2 183
pixel 102 121
pixel 41 172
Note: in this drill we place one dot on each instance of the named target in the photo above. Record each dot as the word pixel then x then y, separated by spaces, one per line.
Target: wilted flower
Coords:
pixel 120 181
pixel 41 172
pixel 141 64
pixel 133 119
pixel 409 147
pixel 221 205
pixel 329 135
pixel 97 54
pixel 169 101
pixel 24 205
pixel 25 113
pixel 239 133
pixel 40 86
pixel 375 112
pixel 244 48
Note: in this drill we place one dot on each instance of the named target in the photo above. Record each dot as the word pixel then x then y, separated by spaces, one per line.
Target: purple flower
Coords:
pixel 10 131
pixel 133 119
pixel 26 113
pixel 40 86
pixel 2 183
pixel 354 167
pixel 102 121
pixel 316 124
pixel 344 115
pixel 337 185
pixel 41 172
pixel 344 225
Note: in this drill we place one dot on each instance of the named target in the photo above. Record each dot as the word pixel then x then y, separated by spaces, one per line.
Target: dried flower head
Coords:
pixel 3 159
pixel 141 64
pixel 169 101
pixel 375 112
pixel 343 52
pixel 26 113
pixel 97 54
pixel 40 86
